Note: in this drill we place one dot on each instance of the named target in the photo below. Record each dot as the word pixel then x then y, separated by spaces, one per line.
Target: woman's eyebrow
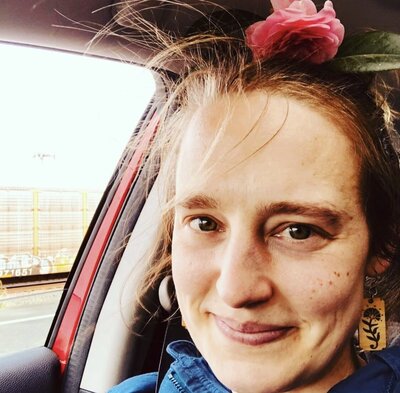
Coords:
pixel 199 201
pixel 332 216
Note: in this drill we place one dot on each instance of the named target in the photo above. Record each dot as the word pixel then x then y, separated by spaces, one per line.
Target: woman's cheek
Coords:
pixel 190 268
pixel 331 292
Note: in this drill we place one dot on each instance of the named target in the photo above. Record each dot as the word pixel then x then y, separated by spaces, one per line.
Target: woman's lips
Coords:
pixel 250 333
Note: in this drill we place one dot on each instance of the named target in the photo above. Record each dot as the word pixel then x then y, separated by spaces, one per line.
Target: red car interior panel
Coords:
pixel 69 324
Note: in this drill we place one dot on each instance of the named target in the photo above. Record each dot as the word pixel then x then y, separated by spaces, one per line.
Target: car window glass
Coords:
pixel 65 121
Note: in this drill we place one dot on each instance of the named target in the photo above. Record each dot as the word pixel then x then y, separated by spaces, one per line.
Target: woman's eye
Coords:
pixel 301 237
pixel 297 232
pixel 203 224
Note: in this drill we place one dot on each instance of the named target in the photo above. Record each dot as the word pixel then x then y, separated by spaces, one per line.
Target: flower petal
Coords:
pixel 306 6
pixel 298 31
pixel 280 4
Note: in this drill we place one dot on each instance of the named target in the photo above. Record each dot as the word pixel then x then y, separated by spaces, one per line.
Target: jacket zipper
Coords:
pixel 175 382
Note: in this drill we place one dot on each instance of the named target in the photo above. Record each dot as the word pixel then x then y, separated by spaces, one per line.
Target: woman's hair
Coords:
pixel 218 65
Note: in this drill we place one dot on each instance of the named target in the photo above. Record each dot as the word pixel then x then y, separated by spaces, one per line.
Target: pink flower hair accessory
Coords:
pixel 297 31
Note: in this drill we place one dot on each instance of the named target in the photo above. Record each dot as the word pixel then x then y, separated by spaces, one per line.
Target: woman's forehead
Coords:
pixel 232 129
pixel 275 146
pixel 232 125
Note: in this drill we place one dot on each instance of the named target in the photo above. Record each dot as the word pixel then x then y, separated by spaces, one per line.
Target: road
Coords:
pixel 25 318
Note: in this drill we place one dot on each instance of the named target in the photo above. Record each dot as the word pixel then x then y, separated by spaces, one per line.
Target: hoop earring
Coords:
pixel 166 293
pixel 166 296
pixel 372 326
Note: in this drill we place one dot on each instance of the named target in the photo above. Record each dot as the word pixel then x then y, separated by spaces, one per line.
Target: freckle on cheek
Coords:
pixel 330 282
pixel 348 274
pixel 337 274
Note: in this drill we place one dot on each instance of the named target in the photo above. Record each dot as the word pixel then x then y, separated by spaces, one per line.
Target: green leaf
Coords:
pixel 371 42
pixel 366 63
pixel 368 52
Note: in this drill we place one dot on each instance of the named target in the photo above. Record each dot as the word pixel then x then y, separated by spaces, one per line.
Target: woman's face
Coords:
pixel 270 244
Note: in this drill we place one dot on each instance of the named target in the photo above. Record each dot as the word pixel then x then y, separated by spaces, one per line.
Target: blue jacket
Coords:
pixel 190 373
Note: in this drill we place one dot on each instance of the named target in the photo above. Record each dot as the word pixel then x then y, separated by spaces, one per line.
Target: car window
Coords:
pixel 65 121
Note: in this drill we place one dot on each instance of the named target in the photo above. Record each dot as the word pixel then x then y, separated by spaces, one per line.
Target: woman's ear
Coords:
pixel 376 266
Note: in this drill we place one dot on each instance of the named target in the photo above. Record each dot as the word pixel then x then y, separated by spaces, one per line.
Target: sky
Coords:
pixel 65 119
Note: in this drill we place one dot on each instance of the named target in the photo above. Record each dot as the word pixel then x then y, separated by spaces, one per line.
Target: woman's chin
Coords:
pixel 265 368
pixel 248 378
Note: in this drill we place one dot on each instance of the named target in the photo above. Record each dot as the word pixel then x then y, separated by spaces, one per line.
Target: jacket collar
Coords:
pixel 190 371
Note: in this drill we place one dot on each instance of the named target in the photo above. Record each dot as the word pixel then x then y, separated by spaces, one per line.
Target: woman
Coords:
pixel 284 199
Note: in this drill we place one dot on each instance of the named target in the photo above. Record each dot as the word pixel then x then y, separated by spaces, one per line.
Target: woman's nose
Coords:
pixel 243 279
